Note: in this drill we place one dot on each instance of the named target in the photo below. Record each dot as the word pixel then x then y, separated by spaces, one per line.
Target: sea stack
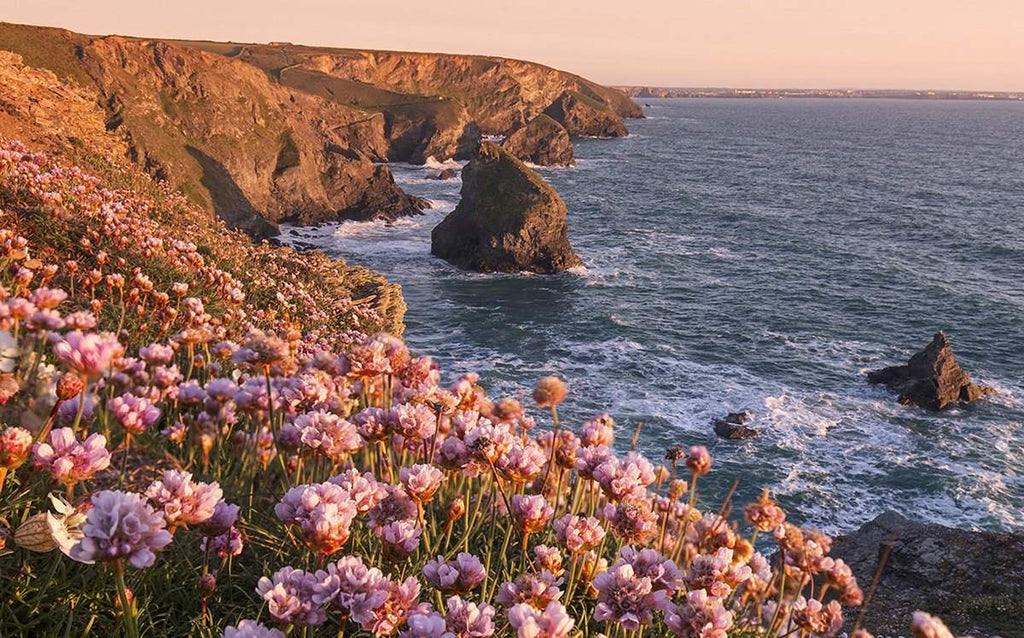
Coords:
pixel 541 141
pixel 508 220
pixel 932 378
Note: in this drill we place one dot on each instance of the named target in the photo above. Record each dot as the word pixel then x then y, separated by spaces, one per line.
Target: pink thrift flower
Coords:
pixel 89 354
pixel 578 534
pixel 15 444
pixel 548 558
pixel 400 603
pixel 289 597
pixel 648 563
pixel 427 625
pixel 400 538
pixel 531 513
pixel 121 525
pixel 522 463
pixel 224 545
pixel 924 625
pixel 699 461
pixel 459 575
pixel 416 422
pixel 421 481
pixel 599 431
pixel 468 620
pixel 135 414
pixel 364 490
pixel 626 598
pixel 699 615
pixel 626 479
pixel 251 629
pixel 328 434
pixel 156 354
pixel 553 622
pixel 323 512
pixel 535 589
pixel 69 460
pixel 224 516
pixel 352 588
pixel 182 500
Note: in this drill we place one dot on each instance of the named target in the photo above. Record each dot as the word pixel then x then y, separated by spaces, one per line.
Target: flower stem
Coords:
pixel 131 628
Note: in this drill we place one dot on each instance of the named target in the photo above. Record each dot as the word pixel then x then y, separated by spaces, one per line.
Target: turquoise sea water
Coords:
pixel 762 255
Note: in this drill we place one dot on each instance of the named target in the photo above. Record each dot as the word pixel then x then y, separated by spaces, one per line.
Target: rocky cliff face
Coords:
pixel 500 94
pixel 584 116
pixel 541 141
pixel 226 136
pixel 508 220
pixel 973 580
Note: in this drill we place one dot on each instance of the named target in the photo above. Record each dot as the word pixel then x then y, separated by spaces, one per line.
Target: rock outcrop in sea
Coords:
pixel 541 141
pixel 585 116
pixel 508 220
pixel 932 378
pixel 734 426
pixel 973 580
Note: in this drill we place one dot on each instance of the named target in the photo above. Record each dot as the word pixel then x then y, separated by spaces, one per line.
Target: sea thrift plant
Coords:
pixel 254 412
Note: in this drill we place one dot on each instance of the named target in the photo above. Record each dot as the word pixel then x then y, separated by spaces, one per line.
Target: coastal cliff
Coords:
pixel 64 120
pixel 437 105
pixel 262 134
pixel 224 135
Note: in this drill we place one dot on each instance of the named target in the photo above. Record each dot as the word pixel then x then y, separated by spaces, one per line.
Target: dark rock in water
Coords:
pixel 541 141
pixel 446 174
pixel 974 581
pixel 931 379
pixel 508 220
pixel 733 426
pixel 584 115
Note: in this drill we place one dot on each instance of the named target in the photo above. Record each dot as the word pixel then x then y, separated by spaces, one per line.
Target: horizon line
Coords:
pixel 612 85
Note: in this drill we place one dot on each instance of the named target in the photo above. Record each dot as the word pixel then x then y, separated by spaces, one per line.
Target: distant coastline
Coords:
pixel 661 92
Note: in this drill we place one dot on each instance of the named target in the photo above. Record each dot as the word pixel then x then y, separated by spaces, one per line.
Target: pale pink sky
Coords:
pixel 940 44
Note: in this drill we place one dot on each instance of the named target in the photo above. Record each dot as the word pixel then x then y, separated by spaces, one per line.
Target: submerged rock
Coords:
pixel 932 378
pixel 446 174
pixel 508 220
pixel 586 116
pixel 733 426
pixel 541 141
pixel 974 581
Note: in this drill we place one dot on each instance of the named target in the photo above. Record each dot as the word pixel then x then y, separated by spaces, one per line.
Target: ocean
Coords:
pixel 762 255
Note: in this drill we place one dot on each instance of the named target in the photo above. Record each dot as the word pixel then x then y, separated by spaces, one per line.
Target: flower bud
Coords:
pixel 69 386
pixel 550 392
pixel 207 585
pixel 677 488
pixel 456 509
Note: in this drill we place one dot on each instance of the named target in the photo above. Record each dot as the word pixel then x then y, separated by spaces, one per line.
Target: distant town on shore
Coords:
pixel 659 92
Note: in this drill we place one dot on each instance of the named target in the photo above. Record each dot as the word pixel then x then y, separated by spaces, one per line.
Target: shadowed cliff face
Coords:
pixel 225 135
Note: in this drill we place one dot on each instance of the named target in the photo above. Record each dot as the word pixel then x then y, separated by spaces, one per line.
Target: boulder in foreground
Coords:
pixel 932 378
pixel 541 141
pixel 973 580
pixel 508 220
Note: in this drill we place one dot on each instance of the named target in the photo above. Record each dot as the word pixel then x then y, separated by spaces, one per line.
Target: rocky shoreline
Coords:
pixel 973 580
